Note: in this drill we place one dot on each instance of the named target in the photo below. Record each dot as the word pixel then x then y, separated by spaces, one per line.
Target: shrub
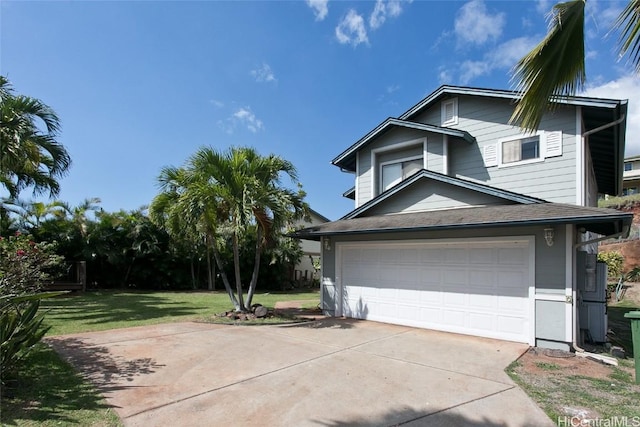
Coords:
pixel 25 267
pixel 614 261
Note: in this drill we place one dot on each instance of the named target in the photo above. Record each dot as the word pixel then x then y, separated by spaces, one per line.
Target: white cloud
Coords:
pixel 242 117
pixel 392 88
pixel 627 87
pixel 445 76
pixel 351 30
pixel 264 74
pixel 320 8
pixel 469 70
pixel 217 103
pixel 544 6
pixel 475 25
pixel 384 9
pixel 504 56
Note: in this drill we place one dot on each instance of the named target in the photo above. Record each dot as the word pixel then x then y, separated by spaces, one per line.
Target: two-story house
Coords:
pixel 464 223
pixel 631 176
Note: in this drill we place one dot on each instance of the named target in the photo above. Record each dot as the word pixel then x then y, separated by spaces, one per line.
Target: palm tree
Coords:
pixel 227 193
pixel 187 207
pixel 556 68
pixel 29 157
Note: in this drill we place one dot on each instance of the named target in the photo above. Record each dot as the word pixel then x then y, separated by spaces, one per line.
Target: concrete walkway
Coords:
pixel 331 372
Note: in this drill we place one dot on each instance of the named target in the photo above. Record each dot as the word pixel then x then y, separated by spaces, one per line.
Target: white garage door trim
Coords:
pixel 525 242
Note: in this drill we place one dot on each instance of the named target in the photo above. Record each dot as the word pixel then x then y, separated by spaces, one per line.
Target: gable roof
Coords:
pixel 346 159
pixel 606 118
pixel 445 90
pixel 435 176
pixel 598 220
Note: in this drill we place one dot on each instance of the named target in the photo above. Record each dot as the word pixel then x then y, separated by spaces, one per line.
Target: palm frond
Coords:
pixel 629 24
pixel 554 68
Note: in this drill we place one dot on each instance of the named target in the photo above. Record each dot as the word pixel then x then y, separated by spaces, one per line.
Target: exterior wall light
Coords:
pixel 326 243
pixel 548 236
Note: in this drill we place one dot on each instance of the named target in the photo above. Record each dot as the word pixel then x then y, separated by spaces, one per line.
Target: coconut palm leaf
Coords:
pixel 629 25
pixel 554 68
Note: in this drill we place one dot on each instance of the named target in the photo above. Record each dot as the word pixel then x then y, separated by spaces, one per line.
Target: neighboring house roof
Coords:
pixel 607 144
pixel 319 215
pixel 346 160
pixel 598 220
pixel 435 176
pixel 632 158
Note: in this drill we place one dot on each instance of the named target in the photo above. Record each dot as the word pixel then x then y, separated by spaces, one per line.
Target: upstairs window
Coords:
pixel 518 150
pixel 449 112
pixel 393 173
pixel 628 166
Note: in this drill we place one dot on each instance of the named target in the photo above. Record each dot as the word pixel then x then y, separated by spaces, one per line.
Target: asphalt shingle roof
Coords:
pixel 599 220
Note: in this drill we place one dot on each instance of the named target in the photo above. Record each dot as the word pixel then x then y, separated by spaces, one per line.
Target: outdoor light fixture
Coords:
pixel 548 236
pixel 327 243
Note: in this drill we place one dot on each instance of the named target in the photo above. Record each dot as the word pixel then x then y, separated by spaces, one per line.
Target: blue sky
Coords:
pixel 140 85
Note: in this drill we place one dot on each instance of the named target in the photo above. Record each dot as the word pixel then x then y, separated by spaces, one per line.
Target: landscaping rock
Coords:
pixel 261 312
pixel 254 306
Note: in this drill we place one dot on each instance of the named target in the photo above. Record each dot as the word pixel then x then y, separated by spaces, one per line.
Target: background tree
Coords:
pixel 556 66
pixel 29 156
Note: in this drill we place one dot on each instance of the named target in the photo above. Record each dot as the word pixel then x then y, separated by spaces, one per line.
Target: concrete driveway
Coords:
pixel 331 372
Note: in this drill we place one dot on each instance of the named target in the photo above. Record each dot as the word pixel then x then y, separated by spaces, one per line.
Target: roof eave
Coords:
pixel 624 218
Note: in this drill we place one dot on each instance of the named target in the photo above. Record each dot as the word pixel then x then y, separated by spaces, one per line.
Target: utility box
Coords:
pixel 634 316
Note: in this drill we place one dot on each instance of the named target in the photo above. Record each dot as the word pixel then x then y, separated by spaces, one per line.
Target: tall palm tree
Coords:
pixel 556 66
pixel 188 207
pixel 29 156
pixel 226 193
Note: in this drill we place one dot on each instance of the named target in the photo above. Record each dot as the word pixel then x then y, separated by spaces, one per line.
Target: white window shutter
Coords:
pixel 553 143
pixel 490 155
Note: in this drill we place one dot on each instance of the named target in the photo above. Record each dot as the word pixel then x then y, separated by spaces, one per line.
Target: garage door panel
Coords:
pixel 479 288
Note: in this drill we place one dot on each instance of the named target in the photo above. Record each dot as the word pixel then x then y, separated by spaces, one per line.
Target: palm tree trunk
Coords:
pixel 225 279
pixel 256 268
pixel 236 266
pixel 193 274
pixel 211 272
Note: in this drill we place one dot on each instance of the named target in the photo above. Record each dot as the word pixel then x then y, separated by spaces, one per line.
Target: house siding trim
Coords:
pixel 580 147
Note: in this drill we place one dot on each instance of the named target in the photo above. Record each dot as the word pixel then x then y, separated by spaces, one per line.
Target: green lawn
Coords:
pixel 48 392
pixel 99 311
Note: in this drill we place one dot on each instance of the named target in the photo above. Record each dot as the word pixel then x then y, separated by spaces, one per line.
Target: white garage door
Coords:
pixel 474 287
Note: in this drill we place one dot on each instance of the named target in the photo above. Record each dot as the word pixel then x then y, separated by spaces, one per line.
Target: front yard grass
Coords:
pixel 102 310
pixel 48 391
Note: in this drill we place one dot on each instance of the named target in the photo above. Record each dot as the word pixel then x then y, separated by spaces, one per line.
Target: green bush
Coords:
pixel 25 266
pixel 614 261
pixel 20 330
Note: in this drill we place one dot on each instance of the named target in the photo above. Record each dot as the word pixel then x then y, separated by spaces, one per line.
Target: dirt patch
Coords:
pixel 576 387
pixel 538 362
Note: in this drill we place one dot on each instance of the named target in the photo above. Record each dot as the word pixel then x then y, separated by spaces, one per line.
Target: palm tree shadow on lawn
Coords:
pixel 118 308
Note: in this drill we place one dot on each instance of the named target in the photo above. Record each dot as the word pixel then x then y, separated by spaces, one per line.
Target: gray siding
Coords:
pixel 388 139
pixel 395 136
pixel 426 195
pixel 487 120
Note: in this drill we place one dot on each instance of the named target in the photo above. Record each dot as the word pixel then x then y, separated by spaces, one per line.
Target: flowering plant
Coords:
pixel 25 266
